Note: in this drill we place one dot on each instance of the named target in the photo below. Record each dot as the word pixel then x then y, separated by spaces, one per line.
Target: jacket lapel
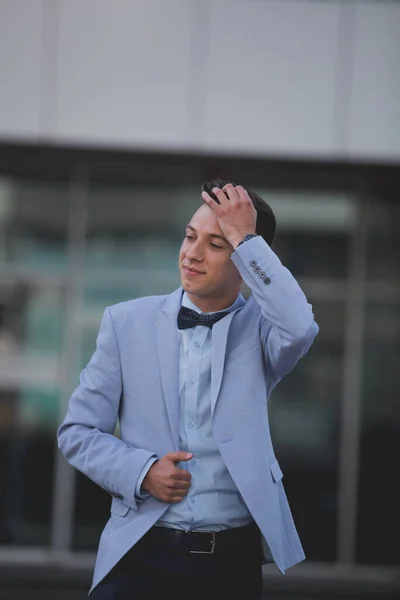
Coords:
pixel 168 356
pixel 218 350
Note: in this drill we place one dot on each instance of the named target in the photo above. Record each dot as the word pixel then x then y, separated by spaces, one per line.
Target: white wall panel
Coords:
pixel 278 77
pixel 374 121
pixel 123 69
pixel 271 77
pixel 20 68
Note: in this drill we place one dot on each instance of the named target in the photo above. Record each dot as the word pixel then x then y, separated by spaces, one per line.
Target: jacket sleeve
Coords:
pixel 288 327
pixel 86 436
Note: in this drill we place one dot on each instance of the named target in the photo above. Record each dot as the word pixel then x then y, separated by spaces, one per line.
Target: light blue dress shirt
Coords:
pixel 213 501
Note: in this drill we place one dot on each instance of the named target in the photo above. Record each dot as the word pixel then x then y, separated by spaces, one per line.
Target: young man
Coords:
pixel 198 501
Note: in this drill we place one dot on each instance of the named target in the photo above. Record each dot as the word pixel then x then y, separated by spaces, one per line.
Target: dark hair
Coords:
pixel 266 221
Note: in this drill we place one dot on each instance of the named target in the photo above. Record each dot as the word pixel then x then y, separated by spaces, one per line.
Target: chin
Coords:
pixel 188 286
pixel 191 289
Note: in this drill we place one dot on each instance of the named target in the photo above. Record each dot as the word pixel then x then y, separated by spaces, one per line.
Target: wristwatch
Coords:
pixel 246 238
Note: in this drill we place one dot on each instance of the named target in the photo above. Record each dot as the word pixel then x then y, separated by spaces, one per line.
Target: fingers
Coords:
pixel 231 192
pixel 178 456
pixel 237 193
pixel 182 475
pixel 166 480
pixel 175 499
pixel 177 495
pixel 178 490
pixel 173 496
pixel 228 194
pixel 243 194
pixel 210 201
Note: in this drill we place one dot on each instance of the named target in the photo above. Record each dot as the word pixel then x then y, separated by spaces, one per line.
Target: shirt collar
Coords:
pixel 189 304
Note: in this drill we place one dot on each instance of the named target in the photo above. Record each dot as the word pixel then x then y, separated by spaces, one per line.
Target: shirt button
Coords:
pixel 197 345
pixel 192 381
pixel 191 424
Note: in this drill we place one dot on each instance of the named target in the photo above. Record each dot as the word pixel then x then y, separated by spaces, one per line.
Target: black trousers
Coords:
pixel 152 571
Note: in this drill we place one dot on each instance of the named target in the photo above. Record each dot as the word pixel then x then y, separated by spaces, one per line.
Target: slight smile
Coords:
pixel 191 272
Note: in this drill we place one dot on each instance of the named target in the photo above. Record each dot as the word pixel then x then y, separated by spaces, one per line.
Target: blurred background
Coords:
pixel 112 113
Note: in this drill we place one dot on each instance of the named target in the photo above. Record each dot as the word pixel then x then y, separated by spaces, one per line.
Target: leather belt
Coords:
pixel 228 541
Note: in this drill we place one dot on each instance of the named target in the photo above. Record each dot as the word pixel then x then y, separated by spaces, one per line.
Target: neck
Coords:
pixel 207 305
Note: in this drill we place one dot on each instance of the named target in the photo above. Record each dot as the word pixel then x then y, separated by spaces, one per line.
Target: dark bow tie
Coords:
pixel 190 318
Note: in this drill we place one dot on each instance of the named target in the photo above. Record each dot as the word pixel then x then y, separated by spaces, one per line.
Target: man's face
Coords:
pixel 208 274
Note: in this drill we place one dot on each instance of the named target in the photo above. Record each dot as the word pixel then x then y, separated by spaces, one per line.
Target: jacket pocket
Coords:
pixel 276 471
pixel 118 507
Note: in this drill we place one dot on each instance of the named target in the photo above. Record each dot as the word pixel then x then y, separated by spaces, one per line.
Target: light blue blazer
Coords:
pixel 133 376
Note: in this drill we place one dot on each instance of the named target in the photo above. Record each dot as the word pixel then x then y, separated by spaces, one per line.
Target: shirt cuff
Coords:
pixel 140 494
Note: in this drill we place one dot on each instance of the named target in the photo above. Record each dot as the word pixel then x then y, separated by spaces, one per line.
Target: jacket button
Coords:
pixel 253 263
pixel 267 280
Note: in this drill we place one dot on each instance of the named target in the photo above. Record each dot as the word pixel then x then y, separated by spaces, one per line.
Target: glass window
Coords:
pixel 136 214
pixel 304 413
pixel 33 222
pixel 379 496
pixel 314 230
pixel 314 254
pixel 32 259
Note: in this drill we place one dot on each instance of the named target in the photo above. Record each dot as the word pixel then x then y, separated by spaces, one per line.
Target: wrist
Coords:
pixel 235 241
pixel 245 238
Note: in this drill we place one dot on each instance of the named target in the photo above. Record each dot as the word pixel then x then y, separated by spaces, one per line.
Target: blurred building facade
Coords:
pixel 111 116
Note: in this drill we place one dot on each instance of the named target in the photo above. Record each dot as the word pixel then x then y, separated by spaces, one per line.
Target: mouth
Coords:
pixel 190 271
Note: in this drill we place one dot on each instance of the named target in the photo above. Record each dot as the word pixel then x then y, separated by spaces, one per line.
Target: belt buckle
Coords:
pixel 213 541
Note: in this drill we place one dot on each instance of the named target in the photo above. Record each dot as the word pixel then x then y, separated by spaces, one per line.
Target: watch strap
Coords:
pixel 246 238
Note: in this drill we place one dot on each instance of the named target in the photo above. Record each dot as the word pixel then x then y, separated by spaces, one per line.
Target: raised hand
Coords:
pixel 235 212
pixel 165 480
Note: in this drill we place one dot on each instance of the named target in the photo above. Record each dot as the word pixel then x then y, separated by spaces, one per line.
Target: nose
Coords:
pixel 195 252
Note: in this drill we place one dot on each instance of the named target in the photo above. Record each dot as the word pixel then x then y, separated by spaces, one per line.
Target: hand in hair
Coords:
pixel 266 221
pixel 235 212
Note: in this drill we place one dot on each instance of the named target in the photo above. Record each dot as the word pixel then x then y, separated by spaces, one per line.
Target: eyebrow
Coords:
pixel 213 235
